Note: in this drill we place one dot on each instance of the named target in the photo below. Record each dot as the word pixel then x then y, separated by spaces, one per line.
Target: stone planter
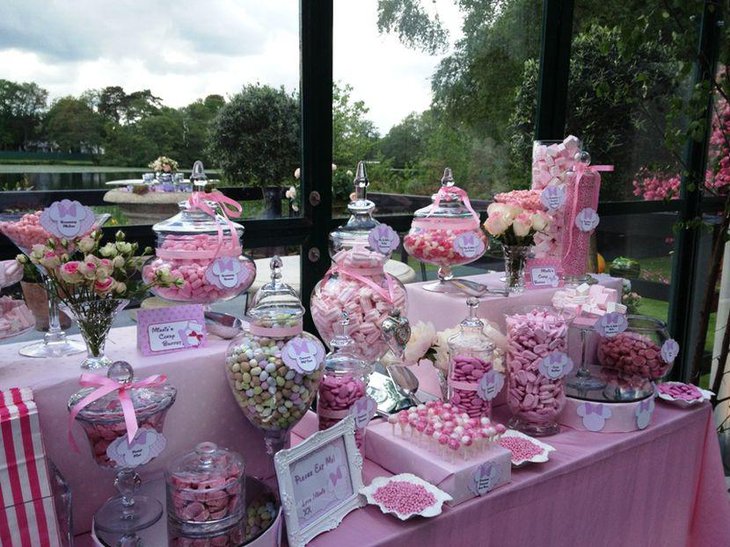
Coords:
pixel 36 299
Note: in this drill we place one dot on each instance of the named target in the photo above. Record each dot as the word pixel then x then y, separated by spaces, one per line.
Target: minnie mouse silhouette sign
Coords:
pixel 67 219
pixel 227 272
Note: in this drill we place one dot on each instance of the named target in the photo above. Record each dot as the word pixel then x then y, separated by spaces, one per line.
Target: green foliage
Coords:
pixel 255 136
pixel 22 106
pixel 73 126
pixel 354 137
pixel 413 25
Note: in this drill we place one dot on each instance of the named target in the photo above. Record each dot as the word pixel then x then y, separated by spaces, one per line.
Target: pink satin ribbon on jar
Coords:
pixel 105 386
pixel 228 206
pixel 444 191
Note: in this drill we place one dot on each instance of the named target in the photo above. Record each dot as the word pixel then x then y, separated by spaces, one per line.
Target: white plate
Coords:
pixel 683 403
pixel 542 457
pixel 431 511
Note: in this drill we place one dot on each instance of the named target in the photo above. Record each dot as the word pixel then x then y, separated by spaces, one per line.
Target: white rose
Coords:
pixel 539 221
pixel 522 225
pixel 422 338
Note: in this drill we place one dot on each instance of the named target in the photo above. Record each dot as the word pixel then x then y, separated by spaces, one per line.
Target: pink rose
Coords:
pixel 70 273
pixel 103 286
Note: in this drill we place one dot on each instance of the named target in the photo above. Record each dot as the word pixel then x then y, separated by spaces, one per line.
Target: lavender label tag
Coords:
pixel 302 355
pixel 555 365
pixel 670 350
pixel 363 411
pixel 227 272
pixel 553 197
pixel 644 412
pixel 469 245
pixel 490 385
pixel 383 239
pixel 611 324
pixel 162 330
pixel 485 478
pixel 587 220
pixel 594 415
pixel 543 273
pixel 146 445
pixel 67 219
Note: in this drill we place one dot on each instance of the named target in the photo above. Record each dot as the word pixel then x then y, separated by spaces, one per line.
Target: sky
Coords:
pixel 183 50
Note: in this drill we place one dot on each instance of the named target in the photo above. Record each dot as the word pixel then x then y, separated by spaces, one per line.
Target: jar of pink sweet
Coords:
pixel 446 233
pixel 537 363
pixel 202 247
pixel 640 347
pixel 357 282
pixel 343 389
pixel 205 489
pixel 472 381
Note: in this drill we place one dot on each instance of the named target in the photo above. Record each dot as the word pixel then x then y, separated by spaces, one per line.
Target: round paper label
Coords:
pixel 302 354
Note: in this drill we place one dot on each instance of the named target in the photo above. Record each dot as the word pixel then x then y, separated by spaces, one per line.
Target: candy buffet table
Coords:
pixel 662 486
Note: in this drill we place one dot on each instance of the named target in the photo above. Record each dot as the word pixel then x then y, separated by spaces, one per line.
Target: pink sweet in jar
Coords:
pixel 337 397
pixel 534 398
pixel 429 243
pixel 27 231
pixel 357 285
pixel 551 161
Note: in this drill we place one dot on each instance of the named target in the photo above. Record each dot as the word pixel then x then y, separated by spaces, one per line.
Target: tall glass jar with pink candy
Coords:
pixel 202 246
pixel 274 367
pixel 105 410
pixel 357 282
pixel 343 389
pixel 446 233
pixel 537 363
pixel 472 381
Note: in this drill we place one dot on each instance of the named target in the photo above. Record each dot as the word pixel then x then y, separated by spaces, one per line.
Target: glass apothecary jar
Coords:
pixel 472 382
pixel 343 389
pixel 357 283
pixel 537 363
pixel 274 367
pixel 446 233
pixel 206 489
pixel 202 248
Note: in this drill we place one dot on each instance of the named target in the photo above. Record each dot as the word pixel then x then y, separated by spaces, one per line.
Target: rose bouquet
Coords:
pixel 514 221
pixel 93 281
pixel 163 164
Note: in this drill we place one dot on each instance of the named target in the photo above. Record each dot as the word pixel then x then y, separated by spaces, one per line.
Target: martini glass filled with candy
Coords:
pixel 25 232
pixel 105 420
pixel 445 233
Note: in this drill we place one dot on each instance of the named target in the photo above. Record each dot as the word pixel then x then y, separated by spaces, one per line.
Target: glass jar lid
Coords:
pixel 205 461
pixel 471 330
pixel 276 303
pixel 147 400
pixel 191 220
pixel 449 202
pixel 361 221
pixel 342 358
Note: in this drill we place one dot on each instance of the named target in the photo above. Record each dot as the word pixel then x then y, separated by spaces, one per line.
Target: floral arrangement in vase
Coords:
pixel 163 164
pixel 93 281
pixel 514 219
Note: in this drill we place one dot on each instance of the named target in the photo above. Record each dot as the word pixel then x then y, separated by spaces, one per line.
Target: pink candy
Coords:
pixel 404 497
pixel 576 242
pixel 436 246
pixel 188 257
pixel 356 284
pixel 337 395
pixel 632 354
pixel 468 370
pixel 677 390
pixel 531 396
pixel 27 231
pixel 196 497
pixel 521 449
pixel 15 317
pixel 551 163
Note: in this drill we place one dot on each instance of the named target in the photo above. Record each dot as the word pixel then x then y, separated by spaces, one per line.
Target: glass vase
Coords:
pixel 515 257
pixel 95 318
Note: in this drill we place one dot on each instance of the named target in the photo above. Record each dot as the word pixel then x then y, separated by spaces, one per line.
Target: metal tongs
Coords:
pixel 472 288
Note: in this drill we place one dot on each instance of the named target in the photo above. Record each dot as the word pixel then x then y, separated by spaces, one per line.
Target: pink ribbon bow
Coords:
pixel 105 386
pixel 66 210
pixel 336 476
pixel 444 191
pixel 596 408
pixel 229 208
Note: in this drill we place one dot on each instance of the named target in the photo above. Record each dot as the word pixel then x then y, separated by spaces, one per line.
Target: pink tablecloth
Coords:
pixel 661 487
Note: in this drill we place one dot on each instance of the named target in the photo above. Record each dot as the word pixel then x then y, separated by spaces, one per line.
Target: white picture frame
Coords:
pixel 320 481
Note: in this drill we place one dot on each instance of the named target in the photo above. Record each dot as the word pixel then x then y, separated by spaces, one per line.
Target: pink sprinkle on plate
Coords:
pixel 682 395
pixel 525 449
pixel 405 496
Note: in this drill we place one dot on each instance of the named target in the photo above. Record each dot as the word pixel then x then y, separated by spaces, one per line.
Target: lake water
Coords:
pixel 66 177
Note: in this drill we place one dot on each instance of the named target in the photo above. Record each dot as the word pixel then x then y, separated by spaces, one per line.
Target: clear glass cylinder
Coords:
pixel 535 399
pixel 515 257
pixel 551 161
pixel 471 356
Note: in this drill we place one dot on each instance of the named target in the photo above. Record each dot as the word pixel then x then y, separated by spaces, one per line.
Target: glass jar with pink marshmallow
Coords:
pixel 472 381
pixel 357 283
pixel 537 363
pixel 202 247
pixel 641 349
pixel 343 389
pixel 446 233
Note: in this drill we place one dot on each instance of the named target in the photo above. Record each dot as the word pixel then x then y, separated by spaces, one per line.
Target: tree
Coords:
pixel 72 126
pixel 405 142
pixel 255 136
pixel 353 136
pixel 21 111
